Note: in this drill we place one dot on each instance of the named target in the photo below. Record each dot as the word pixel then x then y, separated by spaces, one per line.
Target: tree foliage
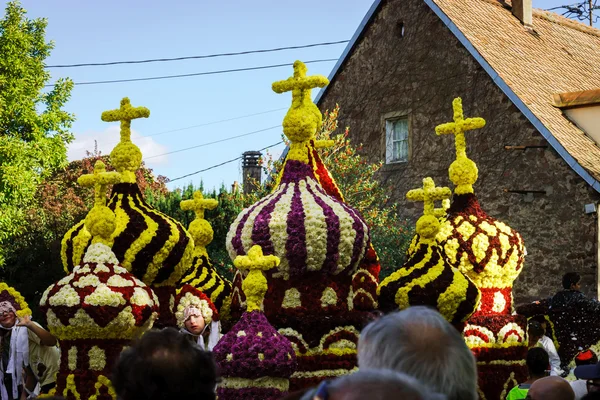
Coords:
pixel 34 129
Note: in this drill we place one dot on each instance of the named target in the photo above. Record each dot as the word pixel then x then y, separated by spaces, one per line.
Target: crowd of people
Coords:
pixel 410 354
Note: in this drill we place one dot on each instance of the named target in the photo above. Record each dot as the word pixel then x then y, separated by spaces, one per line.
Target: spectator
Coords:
pixel 537 364
pixel 165 365
pixel 193 324
pixel 551 388
pixel 591 374
pixel 374 384
pixel 419 342
pixel 579 386
pixel 537 337
pixel 571 295
pixel 18 337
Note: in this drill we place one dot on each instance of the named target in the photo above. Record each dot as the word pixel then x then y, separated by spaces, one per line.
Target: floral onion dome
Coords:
pixel 16 300
pixel 308 229
pixel 98 308
pixel 426 278
pixel 254 360
pixel 488 251
pixel 203 275
pixel 151 245
pixel 99 300
pixel 191 296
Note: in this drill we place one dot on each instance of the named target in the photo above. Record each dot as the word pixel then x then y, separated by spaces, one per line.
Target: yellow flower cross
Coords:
pixel 125 113
pixel 100 221
pixel 428 224
pixel 99 180
pixel 255 284
pixel 198 204
pixel 126 156
pixel 463 171
pixel 303 119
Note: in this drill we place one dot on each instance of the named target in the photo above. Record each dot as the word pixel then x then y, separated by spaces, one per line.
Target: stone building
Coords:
pixel 518 68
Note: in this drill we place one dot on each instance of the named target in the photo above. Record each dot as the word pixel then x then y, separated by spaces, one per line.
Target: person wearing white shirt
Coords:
pixel 537 337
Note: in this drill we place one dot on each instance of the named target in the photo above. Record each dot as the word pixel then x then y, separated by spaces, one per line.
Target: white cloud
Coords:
pixel 109 138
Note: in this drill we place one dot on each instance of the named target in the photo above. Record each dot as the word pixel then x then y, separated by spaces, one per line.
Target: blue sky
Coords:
pixel 94 31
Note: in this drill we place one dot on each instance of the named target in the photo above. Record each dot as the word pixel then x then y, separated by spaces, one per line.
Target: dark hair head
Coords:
pixel 537 361
pixel 587 357
pixel 539 318
pixel 569 279
pixel 535 329
pixel 165 365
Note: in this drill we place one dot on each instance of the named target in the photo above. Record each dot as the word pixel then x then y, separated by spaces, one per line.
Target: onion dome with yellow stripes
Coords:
pixel 151 245
pixel 426 278
pixel 203 275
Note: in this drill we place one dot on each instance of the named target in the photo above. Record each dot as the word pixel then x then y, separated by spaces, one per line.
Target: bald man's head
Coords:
pixel 419 342
pixel 551 388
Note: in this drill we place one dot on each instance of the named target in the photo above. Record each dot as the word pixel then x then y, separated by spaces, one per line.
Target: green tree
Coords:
pixel 34 130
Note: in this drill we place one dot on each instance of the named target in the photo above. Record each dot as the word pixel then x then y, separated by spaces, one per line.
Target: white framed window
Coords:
pixel 396 140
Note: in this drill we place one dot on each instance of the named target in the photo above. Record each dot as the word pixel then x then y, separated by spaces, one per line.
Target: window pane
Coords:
pixel 396 152
pixel 403 150
pixel 396 144
pixel 400 129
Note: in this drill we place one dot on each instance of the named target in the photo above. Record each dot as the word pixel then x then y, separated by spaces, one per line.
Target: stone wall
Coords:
pixel 409 62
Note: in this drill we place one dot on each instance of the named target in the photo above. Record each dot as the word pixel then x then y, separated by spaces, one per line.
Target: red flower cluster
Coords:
pixel 102 315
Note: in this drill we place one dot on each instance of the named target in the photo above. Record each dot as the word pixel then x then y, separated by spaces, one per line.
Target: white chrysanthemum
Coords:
pixel 100 253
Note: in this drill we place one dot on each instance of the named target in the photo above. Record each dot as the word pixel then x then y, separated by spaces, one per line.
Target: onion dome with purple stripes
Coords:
pixel 151 245
pixel 299 222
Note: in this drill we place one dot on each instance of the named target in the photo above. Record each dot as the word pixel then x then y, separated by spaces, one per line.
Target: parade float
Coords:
pixel 491 254
pixel 99 307
pixel 324 289
pixel 426 278
pixel 154 247
pixel 256 362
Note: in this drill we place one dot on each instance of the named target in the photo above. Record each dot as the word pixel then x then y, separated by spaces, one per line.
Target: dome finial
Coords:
pixel 428 225
pixel 303 119
pixel 255 284
pixel 463 171
pixel 199 228
pixel 100 221
pixel 126 156
pixel 198 204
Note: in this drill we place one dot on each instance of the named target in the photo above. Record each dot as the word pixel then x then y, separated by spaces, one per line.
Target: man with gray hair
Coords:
pixel 373 384
pixel 419 342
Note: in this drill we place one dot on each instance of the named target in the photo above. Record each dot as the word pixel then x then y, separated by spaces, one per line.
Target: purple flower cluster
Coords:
pixel 258 337
pixel 250 394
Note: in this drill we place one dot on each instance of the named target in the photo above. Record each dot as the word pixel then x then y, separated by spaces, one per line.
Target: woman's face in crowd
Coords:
pixel 8 319
pixel 195 324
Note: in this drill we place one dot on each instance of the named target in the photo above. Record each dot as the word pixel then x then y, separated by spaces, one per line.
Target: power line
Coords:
pixel 225 71
pixel 305 46
pixel 220 164
pixel 204 124
pixel 214 142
